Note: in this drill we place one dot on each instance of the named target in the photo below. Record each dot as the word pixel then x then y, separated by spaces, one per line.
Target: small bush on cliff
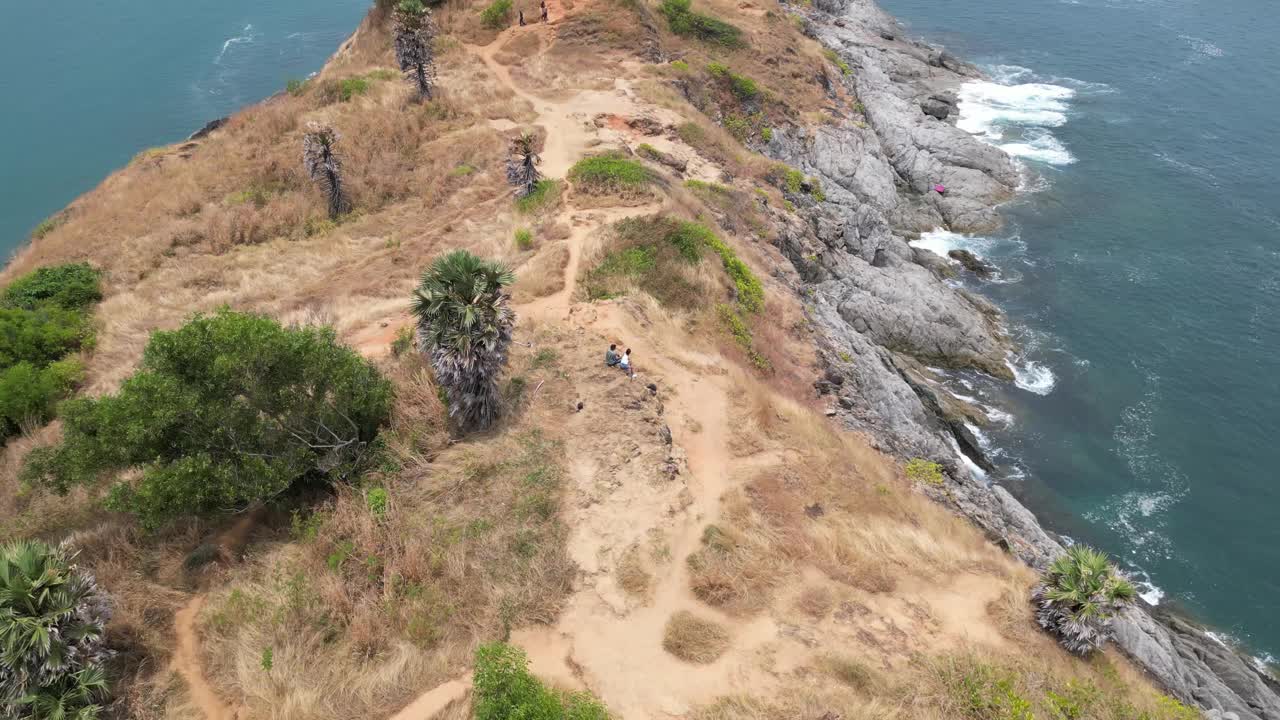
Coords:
pixel 496 14
pixel 464 324
pixel 52 618
pixel 74 286
pixel 506 690
pixel 610 172
pixel 684 21
pixel 922 470
pixel 229 410
pixel 43 319
pixel 1078 596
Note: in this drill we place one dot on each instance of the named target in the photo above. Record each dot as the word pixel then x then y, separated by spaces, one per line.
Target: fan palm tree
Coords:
pixel 522 165
pixel 320 157
pixel 51 634
pixel 1078 596
pixel 414 33
pixel 464 324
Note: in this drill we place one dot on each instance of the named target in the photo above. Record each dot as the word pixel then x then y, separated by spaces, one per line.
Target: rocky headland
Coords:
pixel 885 315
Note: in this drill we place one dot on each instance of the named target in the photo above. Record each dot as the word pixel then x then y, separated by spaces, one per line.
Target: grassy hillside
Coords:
pixel 695 542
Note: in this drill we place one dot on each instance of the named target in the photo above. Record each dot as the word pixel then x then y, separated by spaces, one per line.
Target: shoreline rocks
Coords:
pixel 884 315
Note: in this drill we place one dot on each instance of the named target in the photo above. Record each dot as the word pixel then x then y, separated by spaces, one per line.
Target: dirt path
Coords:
pixel 186 661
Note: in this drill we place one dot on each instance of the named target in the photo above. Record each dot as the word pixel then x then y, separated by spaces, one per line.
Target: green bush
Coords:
pixel 45 227
pixel 52 620
pixel 296 87
pixel 377 499
pixel 74 286
pixel 741 333
pixel 922 470
pixel 43 318
pixel 343 90
pixel 684 21
pixel 496 14
pixel 228 410
pixel 545 195
pixel 506 690
pixel 610 172
pixel 524 238
pixel 838 61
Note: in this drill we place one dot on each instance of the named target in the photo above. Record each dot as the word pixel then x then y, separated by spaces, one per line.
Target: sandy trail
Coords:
pixel 186 661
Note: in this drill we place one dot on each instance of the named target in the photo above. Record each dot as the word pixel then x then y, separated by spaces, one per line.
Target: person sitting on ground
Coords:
pixel 625 364
pixel 611 356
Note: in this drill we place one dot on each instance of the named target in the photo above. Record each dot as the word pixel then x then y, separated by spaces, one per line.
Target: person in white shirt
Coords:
pixel 625 364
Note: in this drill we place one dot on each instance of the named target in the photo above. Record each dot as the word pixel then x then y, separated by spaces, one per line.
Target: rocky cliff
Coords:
pixel 885 315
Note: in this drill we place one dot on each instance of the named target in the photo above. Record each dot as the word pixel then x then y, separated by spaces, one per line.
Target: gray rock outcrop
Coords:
pixel 885 312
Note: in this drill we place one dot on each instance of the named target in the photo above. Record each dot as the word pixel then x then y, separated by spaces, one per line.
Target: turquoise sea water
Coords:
pixel 1143 277
pixel 87 85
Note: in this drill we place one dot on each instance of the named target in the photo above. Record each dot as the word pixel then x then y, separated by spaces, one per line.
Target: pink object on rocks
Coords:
pixel 940 188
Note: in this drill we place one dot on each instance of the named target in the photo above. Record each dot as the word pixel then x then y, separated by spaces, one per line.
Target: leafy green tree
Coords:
pixel 74 286
pixel 52 618
pixel 1078 596
pixel 414 34
pixel 229 410
pixel 43 319
pixel 464 324
pixel 505 690
pixel 320 157
pixel 522 165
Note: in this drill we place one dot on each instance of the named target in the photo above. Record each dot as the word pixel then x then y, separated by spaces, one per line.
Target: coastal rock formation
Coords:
pixel 884 313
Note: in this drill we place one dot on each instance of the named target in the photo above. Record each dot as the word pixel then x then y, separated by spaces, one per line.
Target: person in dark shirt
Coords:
pixel 611 357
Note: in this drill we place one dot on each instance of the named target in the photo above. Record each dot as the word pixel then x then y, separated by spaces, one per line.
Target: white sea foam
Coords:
pixel 940 242
pixel 986 107
pixel 246 36
pixel 1032 376
pixel 1013 112
pixel 1041 147
pixel 977 472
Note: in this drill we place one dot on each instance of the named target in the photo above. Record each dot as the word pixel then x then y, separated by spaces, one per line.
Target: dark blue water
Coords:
pixel 1145 276
pixel 86 85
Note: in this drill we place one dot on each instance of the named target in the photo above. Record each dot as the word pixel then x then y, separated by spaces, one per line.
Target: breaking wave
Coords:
pixel 246 36
pixel 1014 115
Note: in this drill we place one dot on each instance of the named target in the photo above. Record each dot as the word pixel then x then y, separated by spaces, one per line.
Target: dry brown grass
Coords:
pixel 695 639
pixel 816 601
pixel 632 574
pixel 362 610
pixel 542 275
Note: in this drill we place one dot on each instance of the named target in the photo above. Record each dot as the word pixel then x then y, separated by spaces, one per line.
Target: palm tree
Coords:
pixel 464 323
pixel 414 33
pixel 319 156
pixel 1078 596
pixel 522 165
pixel 51 634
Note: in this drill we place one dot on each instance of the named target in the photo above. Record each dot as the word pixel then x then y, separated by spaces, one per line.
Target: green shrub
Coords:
pixel 506 690
pixel 496 14
pixel 39 336
pixel 684 21
pixel 403 341
pixel 544 196
pixel 718 69
pixel 46 226
pixel 744 87
pixel 343 90
pixel 296 87
pixel 838 61
pixel 922 470
pixel 228 410
pixel 52 621
pixel 749 289
pixel 28 394
pixel 766 134
pixel 74 286
pixel 610 172
pixel 680 65
pixel 524 238
pixel 737 327
pixel 376 499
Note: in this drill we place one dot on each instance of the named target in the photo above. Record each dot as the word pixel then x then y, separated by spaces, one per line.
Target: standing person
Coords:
pixel 625 364
pixel 544 10
pixel 521 18
pixel 611 356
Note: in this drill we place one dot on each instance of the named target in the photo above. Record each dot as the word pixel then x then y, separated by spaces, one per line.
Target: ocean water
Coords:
pixel 1141 273
pixel 88 85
